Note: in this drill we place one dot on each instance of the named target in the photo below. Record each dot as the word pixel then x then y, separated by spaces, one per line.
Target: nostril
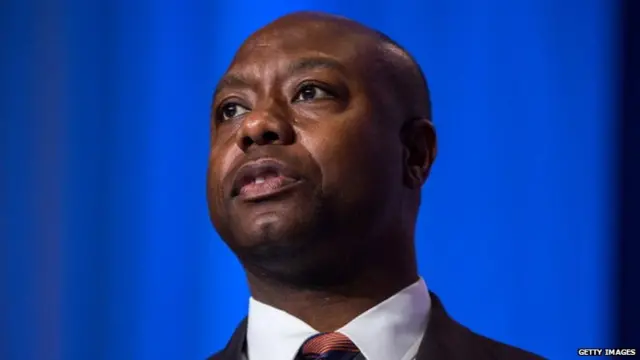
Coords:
pixel 264 138
pixel 246 142
pixel 270 136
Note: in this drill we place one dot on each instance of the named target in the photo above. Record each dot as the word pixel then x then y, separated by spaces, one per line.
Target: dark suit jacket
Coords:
pixel 445 340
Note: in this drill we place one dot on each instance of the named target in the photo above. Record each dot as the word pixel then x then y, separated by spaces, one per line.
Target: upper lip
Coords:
pixel 248 172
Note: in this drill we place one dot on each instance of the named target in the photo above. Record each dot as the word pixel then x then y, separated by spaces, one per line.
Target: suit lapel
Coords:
pixel 235 347
pixel 444 339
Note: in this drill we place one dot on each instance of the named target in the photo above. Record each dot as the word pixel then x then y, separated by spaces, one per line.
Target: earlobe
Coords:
pixel 419 152
pixel 414 174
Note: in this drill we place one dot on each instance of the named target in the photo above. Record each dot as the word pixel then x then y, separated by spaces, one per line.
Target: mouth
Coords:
pixel 263 179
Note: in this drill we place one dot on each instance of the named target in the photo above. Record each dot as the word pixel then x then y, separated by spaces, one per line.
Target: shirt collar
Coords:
pixel 273 334
pixel 392 329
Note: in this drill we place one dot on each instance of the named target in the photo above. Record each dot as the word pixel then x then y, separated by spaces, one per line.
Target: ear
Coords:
pixel 419 151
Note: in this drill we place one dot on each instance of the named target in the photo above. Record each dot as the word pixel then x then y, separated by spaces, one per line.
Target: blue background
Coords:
pixel 107 248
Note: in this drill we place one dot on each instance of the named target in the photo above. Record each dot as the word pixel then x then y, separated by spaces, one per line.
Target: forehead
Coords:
pixel 285 44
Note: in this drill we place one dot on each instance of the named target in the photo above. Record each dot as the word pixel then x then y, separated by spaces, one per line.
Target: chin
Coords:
pixel 265 228
pixel 292 248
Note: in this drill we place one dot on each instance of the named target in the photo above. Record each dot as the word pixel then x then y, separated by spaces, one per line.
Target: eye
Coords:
pixel 311 92
pixel 232 110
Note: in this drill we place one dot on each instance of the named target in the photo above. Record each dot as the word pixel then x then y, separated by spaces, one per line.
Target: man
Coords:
pixel 321 141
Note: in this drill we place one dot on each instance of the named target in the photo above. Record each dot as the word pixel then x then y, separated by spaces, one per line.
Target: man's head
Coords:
pixel 320 142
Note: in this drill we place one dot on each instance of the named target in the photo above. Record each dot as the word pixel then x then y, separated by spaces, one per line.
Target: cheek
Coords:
pixel 220 161
pixel 356 159
pixel 223 151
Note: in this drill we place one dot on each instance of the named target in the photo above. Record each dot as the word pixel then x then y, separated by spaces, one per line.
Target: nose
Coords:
pixel 263 128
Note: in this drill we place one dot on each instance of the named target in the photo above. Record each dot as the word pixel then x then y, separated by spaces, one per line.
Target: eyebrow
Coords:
pixel 232 81
pixel 304 64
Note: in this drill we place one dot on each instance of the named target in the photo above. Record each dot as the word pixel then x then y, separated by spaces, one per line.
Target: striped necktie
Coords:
pixel 328 346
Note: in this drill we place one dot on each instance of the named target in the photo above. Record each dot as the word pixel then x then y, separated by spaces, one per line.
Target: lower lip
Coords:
pixel 271 187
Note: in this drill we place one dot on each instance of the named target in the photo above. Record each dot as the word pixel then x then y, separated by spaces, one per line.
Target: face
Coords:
pixel 304 165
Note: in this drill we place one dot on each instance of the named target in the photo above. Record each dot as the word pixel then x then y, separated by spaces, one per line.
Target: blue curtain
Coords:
pixel 107 251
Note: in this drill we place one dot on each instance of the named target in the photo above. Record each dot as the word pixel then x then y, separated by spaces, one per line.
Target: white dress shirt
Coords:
pixel 391 330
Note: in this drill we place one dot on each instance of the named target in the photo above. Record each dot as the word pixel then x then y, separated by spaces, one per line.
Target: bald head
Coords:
pixel 389 63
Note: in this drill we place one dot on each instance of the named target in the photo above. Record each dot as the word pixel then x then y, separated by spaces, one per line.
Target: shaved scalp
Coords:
pixel 405 77
pixel 400 82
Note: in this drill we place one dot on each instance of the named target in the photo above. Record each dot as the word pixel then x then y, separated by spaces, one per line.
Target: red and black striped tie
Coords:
pixel 328 346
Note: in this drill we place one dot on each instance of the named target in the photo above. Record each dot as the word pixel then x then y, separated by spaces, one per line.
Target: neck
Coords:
pixel 329 309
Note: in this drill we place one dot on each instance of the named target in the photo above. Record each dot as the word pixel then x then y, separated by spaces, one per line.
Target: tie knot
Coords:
pixel 321 345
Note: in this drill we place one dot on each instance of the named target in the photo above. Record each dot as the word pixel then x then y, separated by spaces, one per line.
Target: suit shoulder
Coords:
pixel 496 350
pixel 447 338
pixel 234 348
